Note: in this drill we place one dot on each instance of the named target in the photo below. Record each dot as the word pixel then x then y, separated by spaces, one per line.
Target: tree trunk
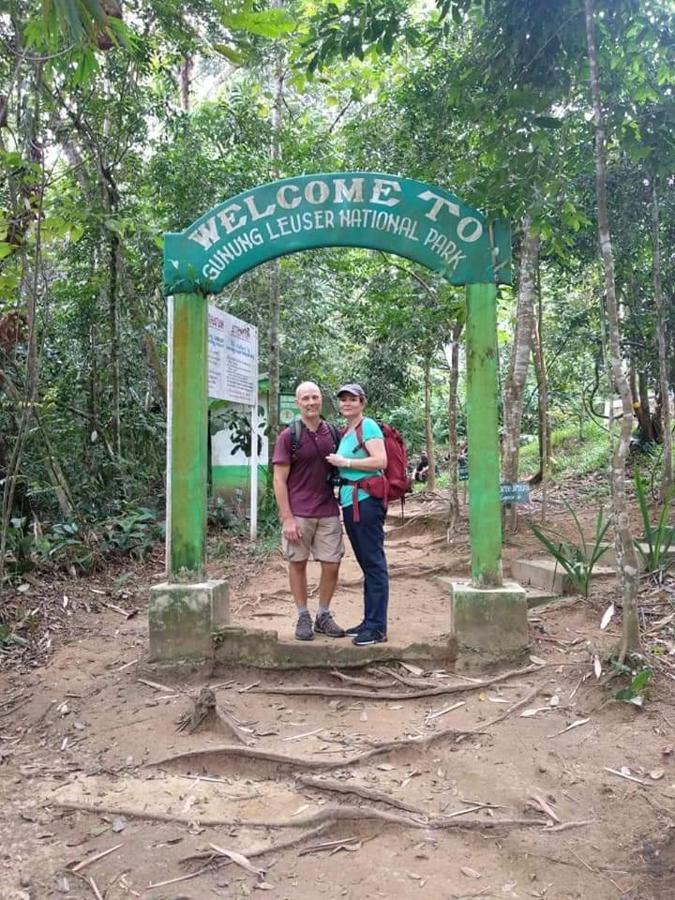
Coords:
pixel 644 413
pixel 113 321
pixel 185 81
pixel 275 265
pixel 453 380
pixel 543 422
pixel 30 284
pixel 428 431
pixel 625 549
pixel 666 485
pixel 514 385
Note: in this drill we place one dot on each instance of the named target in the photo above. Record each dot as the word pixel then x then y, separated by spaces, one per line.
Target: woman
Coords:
pixel 362 455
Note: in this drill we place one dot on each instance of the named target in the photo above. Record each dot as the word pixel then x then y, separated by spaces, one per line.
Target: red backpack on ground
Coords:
pixel 395 483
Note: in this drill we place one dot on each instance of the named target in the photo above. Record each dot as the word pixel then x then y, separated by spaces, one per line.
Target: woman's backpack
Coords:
pixel 397 481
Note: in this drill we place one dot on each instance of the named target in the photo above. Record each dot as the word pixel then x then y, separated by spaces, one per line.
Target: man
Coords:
pixel 422 467
pixel 308 510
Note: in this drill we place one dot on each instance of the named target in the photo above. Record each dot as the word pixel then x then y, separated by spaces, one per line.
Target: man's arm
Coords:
pixel 288 524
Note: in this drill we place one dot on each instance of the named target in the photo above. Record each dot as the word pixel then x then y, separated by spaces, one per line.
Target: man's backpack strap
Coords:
pixel 296 427
pixel 296 433
pixel 335 434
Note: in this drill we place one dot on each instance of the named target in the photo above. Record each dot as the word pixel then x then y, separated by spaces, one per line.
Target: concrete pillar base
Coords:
pixel 183 617
pixel 490 623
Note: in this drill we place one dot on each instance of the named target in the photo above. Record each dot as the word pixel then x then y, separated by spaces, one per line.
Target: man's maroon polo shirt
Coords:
pixel 309 492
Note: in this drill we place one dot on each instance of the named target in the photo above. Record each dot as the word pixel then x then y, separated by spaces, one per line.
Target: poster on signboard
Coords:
pixel 233 358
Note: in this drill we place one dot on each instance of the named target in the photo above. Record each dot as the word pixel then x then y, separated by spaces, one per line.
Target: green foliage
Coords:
pixel 656 557
pixel 133 533
pixel 636 692
pixel 578 560
pixel 61 547
pixel 575 451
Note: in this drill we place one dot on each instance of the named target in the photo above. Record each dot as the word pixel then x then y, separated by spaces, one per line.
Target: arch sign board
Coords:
pixel 426 224
pixel 421 222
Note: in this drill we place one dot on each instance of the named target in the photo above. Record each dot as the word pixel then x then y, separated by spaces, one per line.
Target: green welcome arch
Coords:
pixel 418 221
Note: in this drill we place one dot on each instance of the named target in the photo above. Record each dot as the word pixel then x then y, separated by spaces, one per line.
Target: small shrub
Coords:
pixel 578 560
pixel 133 533
pixel 659 539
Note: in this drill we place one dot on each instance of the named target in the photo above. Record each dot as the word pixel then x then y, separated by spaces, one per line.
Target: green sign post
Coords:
pixel 420 222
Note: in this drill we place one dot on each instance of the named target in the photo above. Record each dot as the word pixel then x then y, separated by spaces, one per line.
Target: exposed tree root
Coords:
pixel 328 814
pixel 210 757
pixel 364 682
pixel 348 787
pixel 318 691
pixel 207 715
pixel 259 850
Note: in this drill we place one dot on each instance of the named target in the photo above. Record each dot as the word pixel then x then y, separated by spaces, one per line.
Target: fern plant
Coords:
pixel 578 560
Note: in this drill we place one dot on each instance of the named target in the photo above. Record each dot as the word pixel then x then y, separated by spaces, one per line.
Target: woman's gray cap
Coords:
pixel 355 389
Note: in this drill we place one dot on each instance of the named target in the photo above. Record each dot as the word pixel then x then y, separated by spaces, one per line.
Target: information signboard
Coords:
pixel 233 358
pixel 515 493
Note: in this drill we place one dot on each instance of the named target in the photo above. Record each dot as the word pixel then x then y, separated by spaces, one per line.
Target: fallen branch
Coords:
pixel 348 787
pixel 528 698
pixel 89 881
pixel 564 826
pixel 92 859
pixel 318 691
pixel 545 807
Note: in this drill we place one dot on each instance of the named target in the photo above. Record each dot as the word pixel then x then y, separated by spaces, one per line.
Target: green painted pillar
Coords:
pixel 187 438
pixel 485 516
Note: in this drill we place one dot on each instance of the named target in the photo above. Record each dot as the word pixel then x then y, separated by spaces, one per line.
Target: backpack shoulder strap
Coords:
pixel 335 435
pixel 358 433
pixel 295 429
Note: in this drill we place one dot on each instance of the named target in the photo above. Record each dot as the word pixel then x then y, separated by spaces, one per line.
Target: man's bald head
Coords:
pixel 308 400
pixel 307 387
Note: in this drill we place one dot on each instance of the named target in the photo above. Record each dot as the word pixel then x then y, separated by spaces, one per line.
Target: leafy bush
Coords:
pixel 27 549
pixel 133 533
pixel 636 692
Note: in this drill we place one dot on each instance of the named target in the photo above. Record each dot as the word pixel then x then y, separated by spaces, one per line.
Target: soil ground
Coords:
pixel 78 728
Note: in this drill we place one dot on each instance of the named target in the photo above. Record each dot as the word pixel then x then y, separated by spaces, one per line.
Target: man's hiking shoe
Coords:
pixel 355 629
pixel 367 637
pixel 303 628
pixel 326 624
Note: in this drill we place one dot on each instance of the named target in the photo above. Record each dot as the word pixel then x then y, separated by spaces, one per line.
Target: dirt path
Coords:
pixel 84 731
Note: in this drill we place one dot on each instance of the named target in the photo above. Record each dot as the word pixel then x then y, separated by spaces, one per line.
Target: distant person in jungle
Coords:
pixel 422 468
pixel 361 459
pixel 309 512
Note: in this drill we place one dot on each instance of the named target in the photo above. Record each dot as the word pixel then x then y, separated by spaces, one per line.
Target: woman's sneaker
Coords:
pixel 355 629
pixel 326 624
pixel 303 628
pixel 366 637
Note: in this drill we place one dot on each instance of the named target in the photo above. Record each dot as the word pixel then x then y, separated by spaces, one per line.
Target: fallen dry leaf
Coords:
pixel 470 873
pixel 607 617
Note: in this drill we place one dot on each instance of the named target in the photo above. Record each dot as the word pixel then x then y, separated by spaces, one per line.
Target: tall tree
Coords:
pixel 514 384
pixel 625 549
pixel 666 485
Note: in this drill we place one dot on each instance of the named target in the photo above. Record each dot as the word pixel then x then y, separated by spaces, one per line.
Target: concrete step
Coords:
pixel 539 598
pixel 608 558
pixel 270 650
pixel 548 575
